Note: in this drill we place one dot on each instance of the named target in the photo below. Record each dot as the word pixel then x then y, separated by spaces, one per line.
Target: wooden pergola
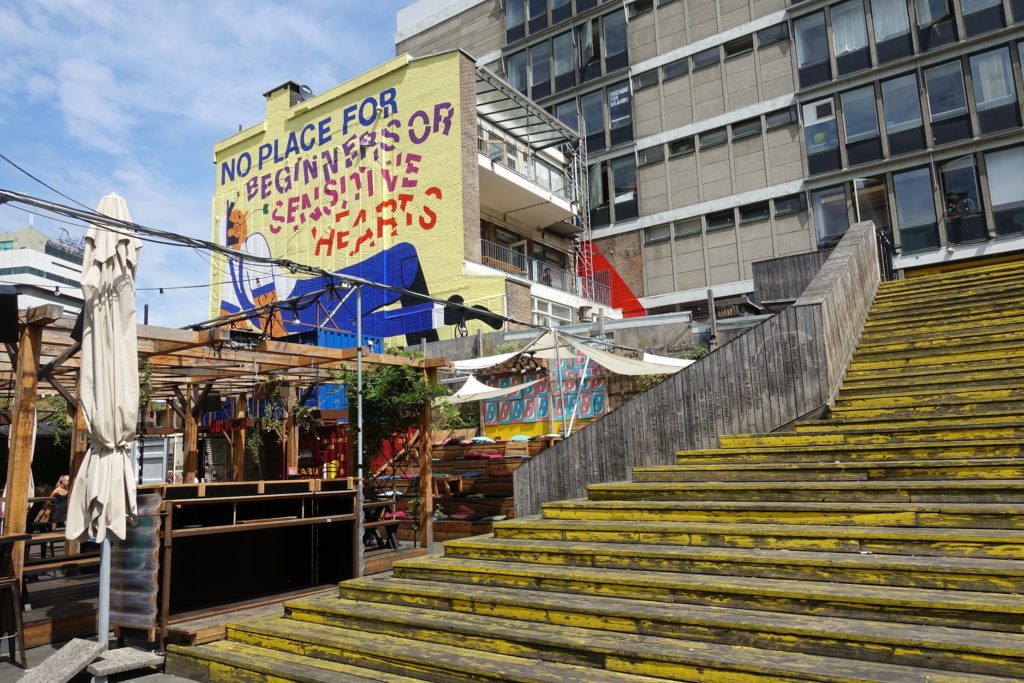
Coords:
pixel 185 365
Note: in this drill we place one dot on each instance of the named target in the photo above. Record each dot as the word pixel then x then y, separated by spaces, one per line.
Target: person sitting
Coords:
pixel 545 277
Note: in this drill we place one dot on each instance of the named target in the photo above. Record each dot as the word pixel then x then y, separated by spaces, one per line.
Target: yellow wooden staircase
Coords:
pixel 884 544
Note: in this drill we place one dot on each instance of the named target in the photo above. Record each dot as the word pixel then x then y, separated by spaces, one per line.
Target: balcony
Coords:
pixel 520 265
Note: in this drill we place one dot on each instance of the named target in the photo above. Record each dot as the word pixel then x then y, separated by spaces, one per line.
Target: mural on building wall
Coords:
pixel 536 409
pixel 366 181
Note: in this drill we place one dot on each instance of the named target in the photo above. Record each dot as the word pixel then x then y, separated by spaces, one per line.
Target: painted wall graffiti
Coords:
pixel 364 180
pixel 532 410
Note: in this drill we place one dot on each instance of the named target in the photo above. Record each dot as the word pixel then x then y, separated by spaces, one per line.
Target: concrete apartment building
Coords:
pixel 724 132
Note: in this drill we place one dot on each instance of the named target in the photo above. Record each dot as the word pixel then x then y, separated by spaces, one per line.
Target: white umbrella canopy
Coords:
pixel 103 494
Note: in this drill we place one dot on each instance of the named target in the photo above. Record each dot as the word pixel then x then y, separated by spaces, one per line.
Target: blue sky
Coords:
pixel 129 97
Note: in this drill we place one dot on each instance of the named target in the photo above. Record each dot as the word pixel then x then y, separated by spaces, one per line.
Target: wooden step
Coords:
pixel 956 573
pixel 904 470
pixel 998 352
pixel 580 646
pixel 922 390
pixel 977 325
pixel 957 649
pixel 234 662
pixel 937 375
pixel 962 609
pixel 889 540
pixel 962 491
pixel 902 451
pixel 981 311
pixel 415 658
pixel 967 289
pixel 837 437
pixel 924 371
pixel 1012 334
pixel 948 411
pixel 930 515
pixel 936 422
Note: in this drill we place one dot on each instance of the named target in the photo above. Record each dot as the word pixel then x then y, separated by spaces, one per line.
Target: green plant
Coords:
pixel 449 415
pixel 55 409
pixel 507 347
pixel 306 417
pixel 393 400
pixel 145 391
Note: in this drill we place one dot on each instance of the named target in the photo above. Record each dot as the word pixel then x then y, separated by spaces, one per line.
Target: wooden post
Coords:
pixel 79 445
pixel 191 465
pixel 238 440
pixel 426 470
pixel 19 464
pixel 291 435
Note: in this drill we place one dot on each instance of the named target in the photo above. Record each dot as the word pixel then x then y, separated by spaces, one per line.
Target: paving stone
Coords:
pixel 124 659
pixel 63 664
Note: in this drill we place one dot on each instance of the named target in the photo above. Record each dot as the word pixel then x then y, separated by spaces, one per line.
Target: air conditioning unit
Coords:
pixel 586 314
pixel 819 112
pixel 820 131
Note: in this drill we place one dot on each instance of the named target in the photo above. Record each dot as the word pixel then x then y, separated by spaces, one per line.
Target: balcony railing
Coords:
pixel 516 159
pixel 519 264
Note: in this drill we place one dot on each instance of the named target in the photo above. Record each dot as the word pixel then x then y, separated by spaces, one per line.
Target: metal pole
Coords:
pixel 103 629
pixel 558 368
pixel 359 381
pixel 579 393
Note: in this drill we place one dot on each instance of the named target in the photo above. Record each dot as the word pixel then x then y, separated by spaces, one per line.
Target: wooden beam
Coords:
pixel 79 445
pixel 291 435
pixel 182 403
pixel 191 466
pixel 238 441
pixel 68 397
pixel 19 464
pixel 47 370
pixel 426 469
pixel 200 400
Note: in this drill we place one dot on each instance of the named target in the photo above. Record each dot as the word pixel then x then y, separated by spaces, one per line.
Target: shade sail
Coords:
pixel 475 390
pixel 667 360
pixel 103 494
pixel 621 365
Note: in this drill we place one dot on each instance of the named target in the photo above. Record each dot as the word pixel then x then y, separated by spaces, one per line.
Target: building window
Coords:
pixel 620 113
pixel 1004 169
pixel 831 216
pixel 961 202
pixel 812 49
pixel 871 203
pixel 515 20
pixel 860 121
pixel 560 10
pixel 902 109
pixel 639 7
pixel 892 29
pixel 780 118
pixel 915 210
pixel 540 71
pixel 935 26
pixel 739 46
pixel 647 79
pixel 565 70
pixel 821 136
pixel 538 15
pixel 515 67
pixel 615 56
pixel 772 34
pixel 657 233
pixel 982 16
pixel 597 178
pixel 713 138
pixel 706 58
pixel 675 69
pixel 743 129
pixel 850 37
pixel 567 113
pixel 681 147
pixel 947 103
pixel 588 38
pixel 7 245
pixel 794 203
pixel 592 105
pixel 549 314
pixel 624 182
pixel 650 155
pixel 751 213
pixel 995 95
pixel 688 227
pixel 721 220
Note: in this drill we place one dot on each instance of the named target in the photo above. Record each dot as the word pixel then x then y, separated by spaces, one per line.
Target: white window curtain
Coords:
pixel 849 32
pixel 972 6
pixel 993 79
pixel 889 18
pixel 1004 170
pixel 930 11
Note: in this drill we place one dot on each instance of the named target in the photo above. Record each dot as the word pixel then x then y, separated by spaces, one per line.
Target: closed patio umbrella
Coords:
pixel 103 494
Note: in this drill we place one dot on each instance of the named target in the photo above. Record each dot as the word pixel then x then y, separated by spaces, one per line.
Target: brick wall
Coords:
pixel 519 302
pixel 479 30
pixel 623 252
pixel 470 165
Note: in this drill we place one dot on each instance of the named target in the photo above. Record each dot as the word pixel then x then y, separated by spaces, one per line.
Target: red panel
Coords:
pixel 604 271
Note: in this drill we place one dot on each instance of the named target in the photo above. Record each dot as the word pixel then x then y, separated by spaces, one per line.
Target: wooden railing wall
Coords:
pixel 785 278
pixel 775 373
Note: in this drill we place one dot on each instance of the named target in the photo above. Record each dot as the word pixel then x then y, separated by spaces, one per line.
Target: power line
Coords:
pixel 43 183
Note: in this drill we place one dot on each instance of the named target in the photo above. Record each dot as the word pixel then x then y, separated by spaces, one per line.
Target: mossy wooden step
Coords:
pixel 922 371
pixel 896 323
pixel 929 385
pixel 964 432
pixel 898 344
pixel 954 573
pixel 966 289
pixel 930 329
pixel 974 298
pixel 998 352
pixel 944 411
pixel 988 652
pixel 917 470
pixel 931 515
pixel 233 662
pixel 601 650
pixel 918 424
pixel 944 490
pixel 914 450
pixel 979 309
pixel 953 397
pixel 890 540
pixel 985 273
pixel 962 609
pixel 415 658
